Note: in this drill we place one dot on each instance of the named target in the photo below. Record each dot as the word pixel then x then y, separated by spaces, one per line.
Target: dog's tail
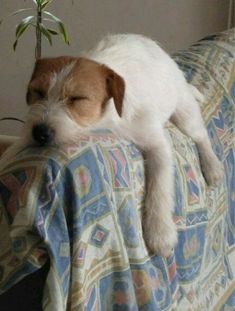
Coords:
pixel 197 95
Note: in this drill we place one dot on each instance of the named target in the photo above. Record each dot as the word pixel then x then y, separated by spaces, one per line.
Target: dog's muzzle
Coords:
pixel 43 134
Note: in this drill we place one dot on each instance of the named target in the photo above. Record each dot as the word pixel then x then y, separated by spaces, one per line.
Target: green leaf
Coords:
pixel 15 44
pixel 45 3
pixel 21 30
pixel 35 2
pixel 16 13
pixel 52 31
pixel 48 20
pixel 21 11
pixel 46 33
pixel 61 26
pixel 42 3
pixel 22 26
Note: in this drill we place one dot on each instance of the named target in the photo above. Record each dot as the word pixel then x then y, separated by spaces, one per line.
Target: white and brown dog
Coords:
pixel 129 83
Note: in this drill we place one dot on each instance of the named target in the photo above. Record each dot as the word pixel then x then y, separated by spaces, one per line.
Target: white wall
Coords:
pixel 174 23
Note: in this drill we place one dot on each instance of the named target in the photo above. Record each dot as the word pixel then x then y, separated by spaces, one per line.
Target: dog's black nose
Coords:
pixel 43 134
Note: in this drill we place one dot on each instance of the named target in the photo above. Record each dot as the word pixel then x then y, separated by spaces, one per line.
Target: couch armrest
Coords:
pixel 5 142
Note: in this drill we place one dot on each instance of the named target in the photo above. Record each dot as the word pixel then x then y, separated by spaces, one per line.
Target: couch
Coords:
pixel 70 218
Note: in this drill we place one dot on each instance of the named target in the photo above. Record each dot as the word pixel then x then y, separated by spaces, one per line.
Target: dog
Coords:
pixel 129 83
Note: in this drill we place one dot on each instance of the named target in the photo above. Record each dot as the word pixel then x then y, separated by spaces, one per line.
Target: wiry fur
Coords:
pixel 155 91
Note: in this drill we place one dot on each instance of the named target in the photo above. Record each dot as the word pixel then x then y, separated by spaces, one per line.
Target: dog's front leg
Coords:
pixel 159 228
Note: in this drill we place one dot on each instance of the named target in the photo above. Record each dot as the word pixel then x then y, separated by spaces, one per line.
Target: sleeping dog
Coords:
pixel 128 83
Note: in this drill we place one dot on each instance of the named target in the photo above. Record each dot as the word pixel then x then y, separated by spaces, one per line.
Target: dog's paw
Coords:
pixel 160 236
pixel 214 173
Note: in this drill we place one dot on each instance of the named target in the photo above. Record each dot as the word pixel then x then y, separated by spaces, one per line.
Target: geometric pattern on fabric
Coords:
pixel 80 206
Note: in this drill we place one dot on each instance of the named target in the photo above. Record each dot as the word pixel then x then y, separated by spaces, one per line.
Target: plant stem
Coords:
pixel 38 49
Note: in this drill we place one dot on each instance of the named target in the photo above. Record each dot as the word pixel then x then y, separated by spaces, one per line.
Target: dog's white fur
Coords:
pixel 156 91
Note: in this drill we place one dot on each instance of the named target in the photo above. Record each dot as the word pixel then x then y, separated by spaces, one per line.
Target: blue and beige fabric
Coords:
pixel 81 207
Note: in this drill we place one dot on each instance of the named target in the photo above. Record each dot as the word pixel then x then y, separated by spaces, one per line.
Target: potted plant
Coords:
pixel 39 19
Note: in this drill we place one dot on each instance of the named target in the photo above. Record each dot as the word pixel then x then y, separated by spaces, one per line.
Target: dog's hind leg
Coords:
pixel 188 119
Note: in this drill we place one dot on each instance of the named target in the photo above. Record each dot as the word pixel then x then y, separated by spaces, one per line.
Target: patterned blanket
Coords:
pixel 80 206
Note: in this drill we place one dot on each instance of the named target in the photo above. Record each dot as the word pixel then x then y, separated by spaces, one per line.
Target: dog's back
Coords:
pixel 154 83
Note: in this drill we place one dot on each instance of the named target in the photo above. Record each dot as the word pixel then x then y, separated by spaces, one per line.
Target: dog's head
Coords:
pixel 66 94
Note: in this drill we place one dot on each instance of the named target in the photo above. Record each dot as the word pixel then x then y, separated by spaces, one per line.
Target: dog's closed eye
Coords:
pixel 35 95
pixel 73 99
pixel 39 94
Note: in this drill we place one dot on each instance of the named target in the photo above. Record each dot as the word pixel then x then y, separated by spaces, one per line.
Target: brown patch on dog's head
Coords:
pixel 85 89
pixel 43 72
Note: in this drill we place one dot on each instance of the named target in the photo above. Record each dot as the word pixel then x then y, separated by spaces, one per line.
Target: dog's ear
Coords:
pixel 116 89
